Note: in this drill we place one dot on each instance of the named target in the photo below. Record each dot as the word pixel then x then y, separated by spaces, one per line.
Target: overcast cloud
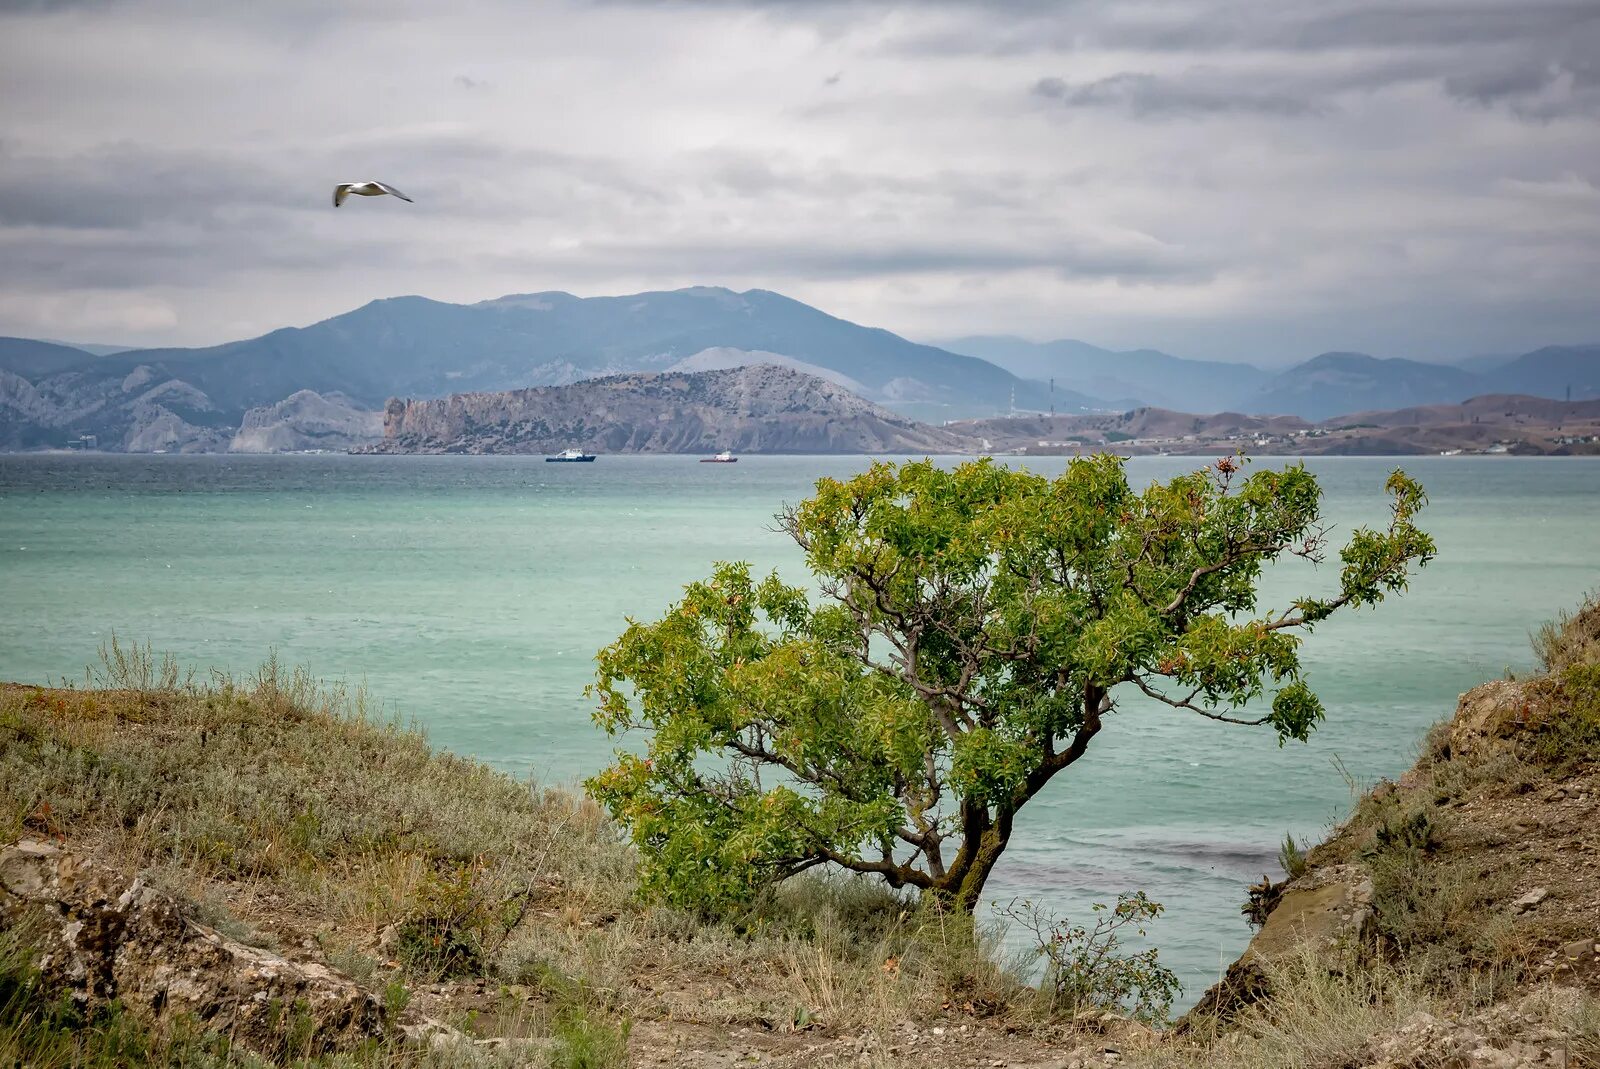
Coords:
pixel 1261 181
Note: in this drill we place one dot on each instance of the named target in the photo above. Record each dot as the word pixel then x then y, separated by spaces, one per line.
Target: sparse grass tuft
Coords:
pixel 1293 858
pixel 1571 639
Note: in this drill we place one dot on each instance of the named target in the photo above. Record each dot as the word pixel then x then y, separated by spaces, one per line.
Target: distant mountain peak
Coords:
pixel 1344 356
pixel 541 301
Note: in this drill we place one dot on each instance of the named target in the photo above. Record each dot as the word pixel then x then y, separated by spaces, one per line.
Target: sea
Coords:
pixel 469 594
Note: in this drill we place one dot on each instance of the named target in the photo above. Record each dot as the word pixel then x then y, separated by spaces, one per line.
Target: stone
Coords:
pixel 1504 1036
pixel 1531 899
pixel 103 937
pixel 1577 951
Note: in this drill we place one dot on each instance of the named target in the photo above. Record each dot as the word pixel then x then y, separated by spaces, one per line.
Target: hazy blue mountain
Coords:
pixel 412 346
pixel 35 359
pixel 1134 377
pixel 1483 362
pixel 92 348
pixel 1336 383
pixel 415 347
pixel 1549 372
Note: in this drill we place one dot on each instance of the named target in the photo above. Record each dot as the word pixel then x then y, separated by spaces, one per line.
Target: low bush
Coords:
pixel 1086 968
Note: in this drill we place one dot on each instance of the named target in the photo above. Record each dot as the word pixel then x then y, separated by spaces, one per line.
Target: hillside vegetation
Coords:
pixel 489 921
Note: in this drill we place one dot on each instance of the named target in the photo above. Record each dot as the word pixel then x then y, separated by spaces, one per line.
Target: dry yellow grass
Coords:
pixel 288 814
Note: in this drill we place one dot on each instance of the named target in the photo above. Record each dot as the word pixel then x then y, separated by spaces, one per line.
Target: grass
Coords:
pixel 1327 1012
pixel 283 811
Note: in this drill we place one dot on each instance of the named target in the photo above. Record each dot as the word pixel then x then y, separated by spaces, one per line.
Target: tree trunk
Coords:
pixel 963 887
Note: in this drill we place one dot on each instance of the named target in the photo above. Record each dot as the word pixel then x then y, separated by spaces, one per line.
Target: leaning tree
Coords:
pixel 973 631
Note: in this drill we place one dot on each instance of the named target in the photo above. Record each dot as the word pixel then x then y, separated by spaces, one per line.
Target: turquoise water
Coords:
pixel 470 593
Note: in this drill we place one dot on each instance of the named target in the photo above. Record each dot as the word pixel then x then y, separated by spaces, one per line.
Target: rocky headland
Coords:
pixel 306 421
pixel 761 408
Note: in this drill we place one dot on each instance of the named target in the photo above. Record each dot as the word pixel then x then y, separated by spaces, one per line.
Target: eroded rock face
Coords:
pixel 306 420
pixel 103 937
pixel 1327 910
pixel 1495 710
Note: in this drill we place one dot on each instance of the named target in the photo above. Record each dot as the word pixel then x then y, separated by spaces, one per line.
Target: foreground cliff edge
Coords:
pixel 257 873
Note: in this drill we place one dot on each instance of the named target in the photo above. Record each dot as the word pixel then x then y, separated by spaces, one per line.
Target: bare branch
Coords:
pixel 1188 703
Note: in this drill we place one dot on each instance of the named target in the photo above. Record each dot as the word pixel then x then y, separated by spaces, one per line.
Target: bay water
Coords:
pixel 469 594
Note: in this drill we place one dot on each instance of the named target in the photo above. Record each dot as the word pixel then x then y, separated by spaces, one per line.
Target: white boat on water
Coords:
pixel 570 456
pixel 724 457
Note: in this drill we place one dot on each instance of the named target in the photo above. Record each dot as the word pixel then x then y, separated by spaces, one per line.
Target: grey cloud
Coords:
pixel 178 256
pixel 1430 25
pixel 866 256
pixel 45 7
pixel 1516 53
pixel 1562 78
pixel 1539 61
pixel 1207 26
pixel 128 186
pixel 123 186
pixel 756 175
pixel 1147 94
pixel 1356 164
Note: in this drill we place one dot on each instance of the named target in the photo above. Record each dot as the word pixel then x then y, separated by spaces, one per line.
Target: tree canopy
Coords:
pixel 971 631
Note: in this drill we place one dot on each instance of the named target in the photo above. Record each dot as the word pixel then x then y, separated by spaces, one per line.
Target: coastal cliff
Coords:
pixel 306 420
pixel 1469 887
pixel 750 409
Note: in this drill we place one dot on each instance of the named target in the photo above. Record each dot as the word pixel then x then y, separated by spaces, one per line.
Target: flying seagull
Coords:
pixel 365 189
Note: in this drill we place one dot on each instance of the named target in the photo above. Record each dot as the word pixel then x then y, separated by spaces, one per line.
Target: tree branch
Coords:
pixel 1188 703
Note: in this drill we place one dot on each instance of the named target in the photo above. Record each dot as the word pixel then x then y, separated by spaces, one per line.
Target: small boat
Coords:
pixel 724 457
pixel 570 456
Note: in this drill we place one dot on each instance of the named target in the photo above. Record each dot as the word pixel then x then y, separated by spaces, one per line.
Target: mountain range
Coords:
pixel 258 392
pixel 1121 379
pixel 1317 389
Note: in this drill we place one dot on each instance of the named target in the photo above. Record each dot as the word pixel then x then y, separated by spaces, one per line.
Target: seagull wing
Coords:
pixel 393 192
pixel 340 192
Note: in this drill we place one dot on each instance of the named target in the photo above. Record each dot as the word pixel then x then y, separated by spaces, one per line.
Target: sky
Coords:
pixel 1258 181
